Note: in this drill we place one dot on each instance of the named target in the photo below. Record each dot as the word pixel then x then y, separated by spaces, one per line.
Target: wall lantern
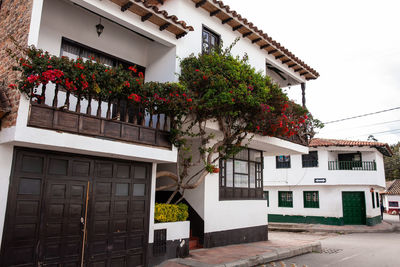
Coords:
pixel 99 28
pixel 371 190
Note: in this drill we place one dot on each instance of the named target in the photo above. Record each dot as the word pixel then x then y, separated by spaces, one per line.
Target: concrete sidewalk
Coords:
pixel 383 227
pixel 280 246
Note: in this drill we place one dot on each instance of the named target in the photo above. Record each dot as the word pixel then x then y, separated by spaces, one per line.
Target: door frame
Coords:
pixel 362 204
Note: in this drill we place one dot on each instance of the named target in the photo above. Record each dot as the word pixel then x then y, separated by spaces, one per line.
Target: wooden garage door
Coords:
pixel 354 208
pixel 50 196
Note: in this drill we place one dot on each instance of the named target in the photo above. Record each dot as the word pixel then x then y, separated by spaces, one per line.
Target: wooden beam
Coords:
pixel 247 34
pixel 199 4
pixel 292 65
pixel 126 6
pixel 299 69
pixel 226 20
pixel 256 40
pixel 264 46
pixel 178 36
pixel 272 51
pixel 304 72
pixel 147 16
pixel 280 56
pixel 164 26
pixel 213 13
pixel 286 61
pixel 237 27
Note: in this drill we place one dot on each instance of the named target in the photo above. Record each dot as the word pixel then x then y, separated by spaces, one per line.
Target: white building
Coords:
pixel 56 165
pixel 391 197
pixel 336 183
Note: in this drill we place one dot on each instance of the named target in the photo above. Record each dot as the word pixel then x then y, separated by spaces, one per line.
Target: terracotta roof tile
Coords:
pixel 394 189
pixel 382 147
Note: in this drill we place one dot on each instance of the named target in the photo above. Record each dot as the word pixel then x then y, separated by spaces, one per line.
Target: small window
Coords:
pixel 311 199
pixel 393 204
pixel 377 199
pixel 285 199
pixel 282 162
pixel 210 41
pixel 310 160
pixel 373 200
pixel 266 197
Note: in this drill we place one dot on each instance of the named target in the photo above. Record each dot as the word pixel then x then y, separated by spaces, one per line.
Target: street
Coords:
pixel 351 250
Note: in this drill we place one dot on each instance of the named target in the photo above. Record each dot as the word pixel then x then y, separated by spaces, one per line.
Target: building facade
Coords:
pixel 391 198
pixel 337 183
pixel 67 170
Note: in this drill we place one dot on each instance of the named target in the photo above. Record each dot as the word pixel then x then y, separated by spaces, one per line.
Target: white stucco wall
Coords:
pixel 230 214
pixel 330 200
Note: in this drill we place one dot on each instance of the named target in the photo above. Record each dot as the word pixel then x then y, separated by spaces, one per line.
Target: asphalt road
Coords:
pixel 352 250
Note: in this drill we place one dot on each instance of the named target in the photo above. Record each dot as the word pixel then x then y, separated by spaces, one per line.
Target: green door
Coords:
pixel 354 207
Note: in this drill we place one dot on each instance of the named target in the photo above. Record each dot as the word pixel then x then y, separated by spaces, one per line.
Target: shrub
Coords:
pixel 170 212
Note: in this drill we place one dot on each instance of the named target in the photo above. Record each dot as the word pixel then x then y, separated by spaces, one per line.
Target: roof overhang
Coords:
pixel 257 37
pixel 151 13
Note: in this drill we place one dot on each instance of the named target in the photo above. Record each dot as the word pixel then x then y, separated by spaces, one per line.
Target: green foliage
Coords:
pixel 170 212
pixel 392 164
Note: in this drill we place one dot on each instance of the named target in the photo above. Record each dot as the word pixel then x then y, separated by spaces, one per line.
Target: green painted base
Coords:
pixel 317 219
pixel 374 220
pixel 305 219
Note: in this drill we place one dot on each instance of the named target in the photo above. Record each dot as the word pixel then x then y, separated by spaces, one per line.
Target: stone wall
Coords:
pixel 15 16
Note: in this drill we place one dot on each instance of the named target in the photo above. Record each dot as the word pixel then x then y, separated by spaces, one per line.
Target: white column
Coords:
pixel 6 155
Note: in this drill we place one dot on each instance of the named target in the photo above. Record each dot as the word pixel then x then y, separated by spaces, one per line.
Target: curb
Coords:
pixel 277 254
pixel 391 229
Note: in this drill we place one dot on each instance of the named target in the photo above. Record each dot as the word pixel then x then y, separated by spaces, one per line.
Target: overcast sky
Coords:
pixel 354 45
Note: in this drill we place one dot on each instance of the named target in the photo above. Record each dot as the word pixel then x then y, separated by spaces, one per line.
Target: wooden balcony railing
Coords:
pixel 352 165
pixel 114 119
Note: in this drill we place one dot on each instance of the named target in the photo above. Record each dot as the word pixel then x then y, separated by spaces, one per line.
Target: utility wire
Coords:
pixel 377 133
pixel 363 115
pixel 362 126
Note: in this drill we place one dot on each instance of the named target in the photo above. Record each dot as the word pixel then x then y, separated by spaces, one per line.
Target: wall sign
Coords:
pixel 319 180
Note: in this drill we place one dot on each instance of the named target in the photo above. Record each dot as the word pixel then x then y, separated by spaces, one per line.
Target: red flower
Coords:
pixel 133 69
pixel 141 75
pixel 197 70
pixel 12 86
pixel 79 66
pixel 189 100
pixel 135 97
pixel 258 127
pixel 205 77
pixel 127 84
pixel 49 66
pixel 233 100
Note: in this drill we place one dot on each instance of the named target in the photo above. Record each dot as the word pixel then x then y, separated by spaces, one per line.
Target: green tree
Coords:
pixel 392 164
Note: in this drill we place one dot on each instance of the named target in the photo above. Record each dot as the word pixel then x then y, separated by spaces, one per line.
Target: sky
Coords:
pixel 355 47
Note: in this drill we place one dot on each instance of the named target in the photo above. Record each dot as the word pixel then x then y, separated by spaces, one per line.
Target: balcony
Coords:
pixel 352 165
pixel 111 120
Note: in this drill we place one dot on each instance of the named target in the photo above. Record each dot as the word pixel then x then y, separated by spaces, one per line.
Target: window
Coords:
pixel 241 176
pixel 350 161
pixel 311 199
pixel 76 50
pixel 373 199
pixel 310 160
pixel 282 162
pixel 285 199
pixel 210 41
pixel 377 199
pixel 393 204
pixel 266 197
